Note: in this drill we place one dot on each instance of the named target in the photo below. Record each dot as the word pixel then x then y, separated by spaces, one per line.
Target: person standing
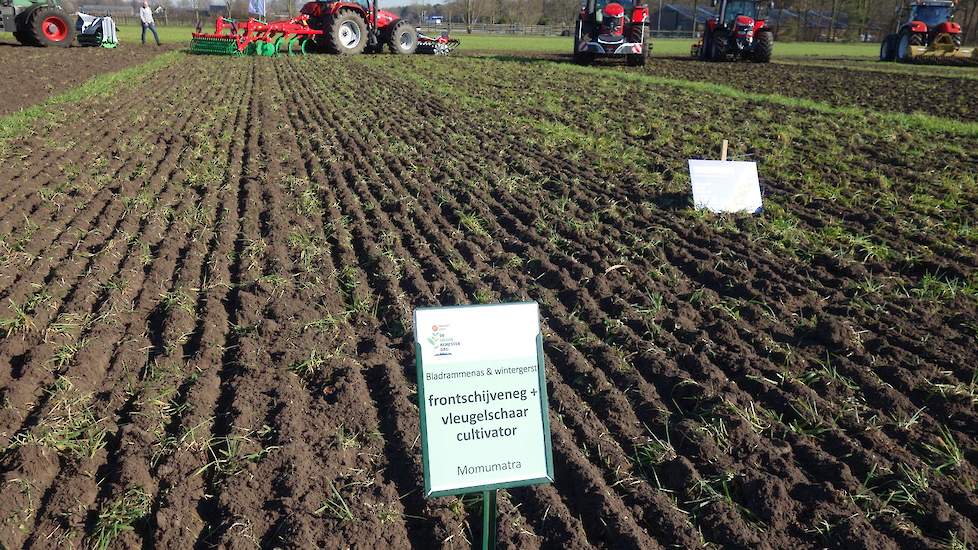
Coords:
pixel 146 18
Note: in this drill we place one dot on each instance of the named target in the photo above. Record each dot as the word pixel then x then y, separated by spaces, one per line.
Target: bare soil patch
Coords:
pixel 39 73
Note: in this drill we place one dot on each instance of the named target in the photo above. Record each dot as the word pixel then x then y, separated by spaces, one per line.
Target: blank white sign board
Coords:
pixel 725 186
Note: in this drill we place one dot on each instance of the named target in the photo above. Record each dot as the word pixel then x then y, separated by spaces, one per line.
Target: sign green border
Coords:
pixel 544 413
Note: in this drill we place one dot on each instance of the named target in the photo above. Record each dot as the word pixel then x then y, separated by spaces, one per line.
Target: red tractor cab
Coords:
pixel 928 32
pixel 738 32
pixel 607 28
pixel 356 27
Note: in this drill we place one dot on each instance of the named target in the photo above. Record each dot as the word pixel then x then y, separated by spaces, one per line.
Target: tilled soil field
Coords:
pixel 934 95
pixel 39 73
pixel 921 88
pixel 206 322
pixel 872 89
pixel 907 93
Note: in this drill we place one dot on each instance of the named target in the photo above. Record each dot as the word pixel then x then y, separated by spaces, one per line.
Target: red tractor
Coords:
pixel 607 28
pixel 929 32
pixel 357 27
pixel 739 31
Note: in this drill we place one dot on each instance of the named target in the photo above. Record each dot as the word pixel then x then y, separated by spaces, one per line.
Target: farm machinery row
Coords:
pixel 254 37
pixel 619 28
pixel 738 32
pixel 331 26
pixel 928 33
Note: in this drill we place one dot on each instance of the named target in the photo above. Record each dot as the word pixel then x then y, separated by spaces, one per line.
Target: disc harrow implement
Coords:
pixel 254 37
pixel 442 45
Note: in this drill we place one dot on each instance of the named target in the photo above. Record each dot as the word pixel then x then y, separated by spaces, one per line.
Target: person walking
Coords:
pixel 146 18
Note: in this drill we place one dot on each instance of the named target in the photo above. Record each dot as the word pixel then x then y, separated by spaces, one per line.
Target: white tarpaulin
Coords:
pixel 92 25
pixel 725 186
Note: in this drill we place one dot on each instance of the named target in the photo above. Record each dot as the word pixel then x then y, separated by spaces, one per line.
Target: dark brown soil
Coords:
pixel 223 301
pixel 898 92
pixel 946 97
pixel 35 74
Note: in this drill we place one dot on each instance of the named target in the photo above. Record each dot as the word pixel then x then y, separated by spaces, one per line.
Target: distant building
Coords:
pixel 680 18
pixel 101 10
pixel 813 24
pixel 217 9
pixel 675 17
pixel 434 20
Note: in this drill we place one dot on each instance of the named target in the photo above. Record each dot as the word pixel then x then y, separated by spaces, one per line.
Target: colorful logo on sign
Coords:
pixel 441 341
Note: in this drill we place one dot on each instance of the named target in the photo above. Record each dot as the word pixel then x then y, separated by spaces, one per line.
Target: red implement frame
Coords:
pixel 258 32
pixel 442 45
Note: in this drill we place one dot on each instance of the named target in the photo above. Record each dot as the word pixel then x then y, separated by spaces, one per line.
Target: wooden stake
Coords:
pixel 723 151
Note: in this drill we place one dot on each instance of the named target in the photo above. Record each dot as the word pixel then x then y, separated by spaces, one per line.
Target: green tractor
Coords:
pixel 37 22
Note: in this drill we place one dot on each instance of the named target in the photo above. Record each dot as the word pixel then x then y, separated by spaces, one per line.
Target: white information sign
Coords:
pixel 725 186
pixel 482 398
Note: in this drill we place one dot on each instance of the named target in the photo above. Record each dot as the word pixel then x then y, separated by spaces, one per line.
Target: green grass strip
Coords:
pixel 102 85
pixel 921 121
pixel 169 34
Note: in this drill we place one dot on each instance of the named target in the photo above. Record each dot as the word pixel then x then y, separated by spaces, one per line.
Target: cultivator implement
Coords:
pixel 929 34
pixel 942 48
pixel 442 45
pixel 254 37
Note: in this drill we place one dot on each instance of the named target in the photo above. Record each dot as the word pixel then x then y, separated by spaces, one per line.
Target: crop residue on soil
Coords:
pixel 205 321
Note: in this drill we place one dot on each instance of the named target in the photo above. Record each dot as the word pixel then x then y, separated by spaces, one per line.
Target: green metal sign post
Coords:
pixel 489 520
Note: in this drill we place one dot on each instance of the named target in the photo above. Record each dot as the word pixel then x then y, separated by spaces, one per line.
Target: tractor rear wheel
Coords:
pixel 956 39
pixel 50 27
pixel 347 33
pixel 763 47
pixel 402 39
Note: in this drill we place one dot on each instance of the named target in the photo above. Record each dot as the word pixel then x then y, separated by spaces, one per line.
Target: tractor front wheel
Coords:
pixel 706 47
pixel 347 34
pixel 903 51
pixel 718 47
pixel 22 30
pixel 763 47
pixel 639 59
pixel 50 27
pixel 403 39
pixel 888 48
pixel 583 58
pixel 24 38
